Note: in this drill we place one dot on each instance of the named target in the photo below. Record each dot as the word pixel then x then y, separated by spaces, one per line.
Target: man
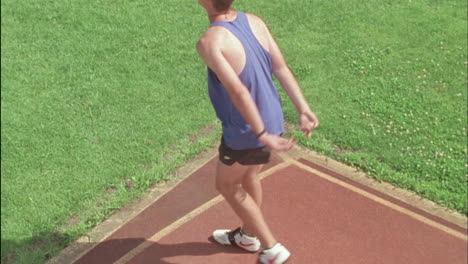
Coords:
pixel 241 56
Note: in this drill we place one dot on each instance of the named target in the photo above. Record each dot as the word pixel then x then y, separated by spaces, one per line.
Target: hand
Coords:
pixel 309 122
pixel 277 143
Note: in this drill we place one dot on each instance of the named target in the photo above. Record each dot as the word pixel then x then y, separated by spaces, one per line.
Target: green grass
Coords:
pixel 98 101
pixel 101 99
pixel 388 80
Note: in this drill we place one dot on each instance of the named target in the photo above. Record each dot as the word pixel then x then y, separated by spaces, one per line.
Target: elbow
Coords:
pixel 238 96
pixel 280 70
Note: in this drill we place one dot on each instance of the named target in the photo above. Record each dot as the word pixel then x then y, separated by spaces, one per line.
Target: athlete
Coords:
pixel 242 56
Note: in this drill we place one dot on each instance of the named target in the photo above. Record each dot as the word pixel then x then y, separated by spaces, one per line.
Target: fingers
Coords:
pixel 314 122
pixel 286 144
pixel 290 144
pixel 278 143
pixel 309 122
pixel 283 144
pixel 307 129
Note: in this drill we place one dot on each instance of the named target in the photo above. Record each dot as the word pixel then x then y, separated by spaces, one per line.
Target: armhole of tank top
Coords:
pixel 255 37
pixel 240 42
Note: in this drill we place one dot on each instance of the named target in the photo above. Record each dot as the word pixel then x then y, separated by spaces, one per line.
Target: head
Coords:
pixel 217 5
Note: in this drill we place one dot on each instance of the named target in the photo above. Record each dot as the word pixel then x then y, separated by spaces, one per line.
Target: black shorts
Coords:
pixel 255 156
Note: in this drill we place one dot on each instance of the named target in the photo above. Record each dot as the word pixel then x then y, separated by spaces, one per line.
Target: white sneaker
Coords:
pixel 275 255
pixel 236 238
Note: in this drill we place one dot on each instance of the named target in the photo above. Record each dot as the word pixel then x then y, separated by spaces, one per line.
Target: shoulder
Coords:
pixel 255 20
pixel 260 30
pixel 253 17
pixel 211 44
pixel 213 38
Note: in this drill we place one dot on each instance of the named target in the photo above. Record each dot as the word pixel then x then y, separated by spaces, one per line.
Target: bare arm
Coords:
pixel 289 83
pixel 212 55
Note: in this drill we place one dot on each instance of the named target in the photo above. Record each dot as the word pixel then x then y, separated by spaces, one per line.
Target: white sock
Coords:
pixel 272 249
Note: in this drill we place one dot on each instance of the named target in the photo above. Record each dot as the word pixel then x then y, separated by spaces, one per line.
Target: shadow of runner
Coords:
pixel 156 252
pixel 159 253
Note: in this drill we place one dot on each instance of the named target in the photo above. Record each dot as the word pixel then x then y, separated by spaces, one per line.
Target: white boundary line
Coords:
pixel 383 201
pixel 186 218
pixel 100 233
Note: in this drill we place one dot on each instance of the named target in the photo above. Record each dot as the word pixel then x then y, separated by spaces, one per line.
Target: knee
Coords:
pixel 231 191
pixel 224 188
pixel 251 180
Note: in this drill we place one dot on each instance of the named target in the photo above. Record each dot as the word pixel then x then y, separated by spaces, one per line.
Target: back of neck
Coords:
pixel 226 16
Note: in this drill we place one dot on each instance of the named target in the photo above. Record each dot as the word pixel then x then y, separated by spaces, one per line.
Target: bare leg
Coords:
pixel 253 186
pixel 229 181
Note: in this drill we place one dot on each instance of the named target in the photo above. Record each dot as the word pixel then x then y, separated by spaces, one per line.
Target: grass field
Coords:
pixel 101 99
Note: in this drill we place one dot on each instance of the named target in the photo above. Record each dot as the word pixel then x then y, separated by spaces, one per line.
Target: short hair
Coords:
pixel 222 5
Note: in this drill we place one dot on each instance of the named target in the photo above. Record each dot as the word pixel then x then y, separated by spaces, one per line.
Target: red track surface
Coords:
pixel 318 219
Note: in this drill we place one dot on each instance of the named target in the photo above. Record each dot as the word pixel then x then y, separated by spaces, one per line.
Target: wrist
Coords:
pixel 263 138
pixel 260 134
pixel 304 110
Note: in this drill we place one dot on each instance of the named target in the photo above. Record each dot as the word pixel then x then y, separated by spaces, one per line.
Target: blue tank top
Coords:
pixel 257 77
